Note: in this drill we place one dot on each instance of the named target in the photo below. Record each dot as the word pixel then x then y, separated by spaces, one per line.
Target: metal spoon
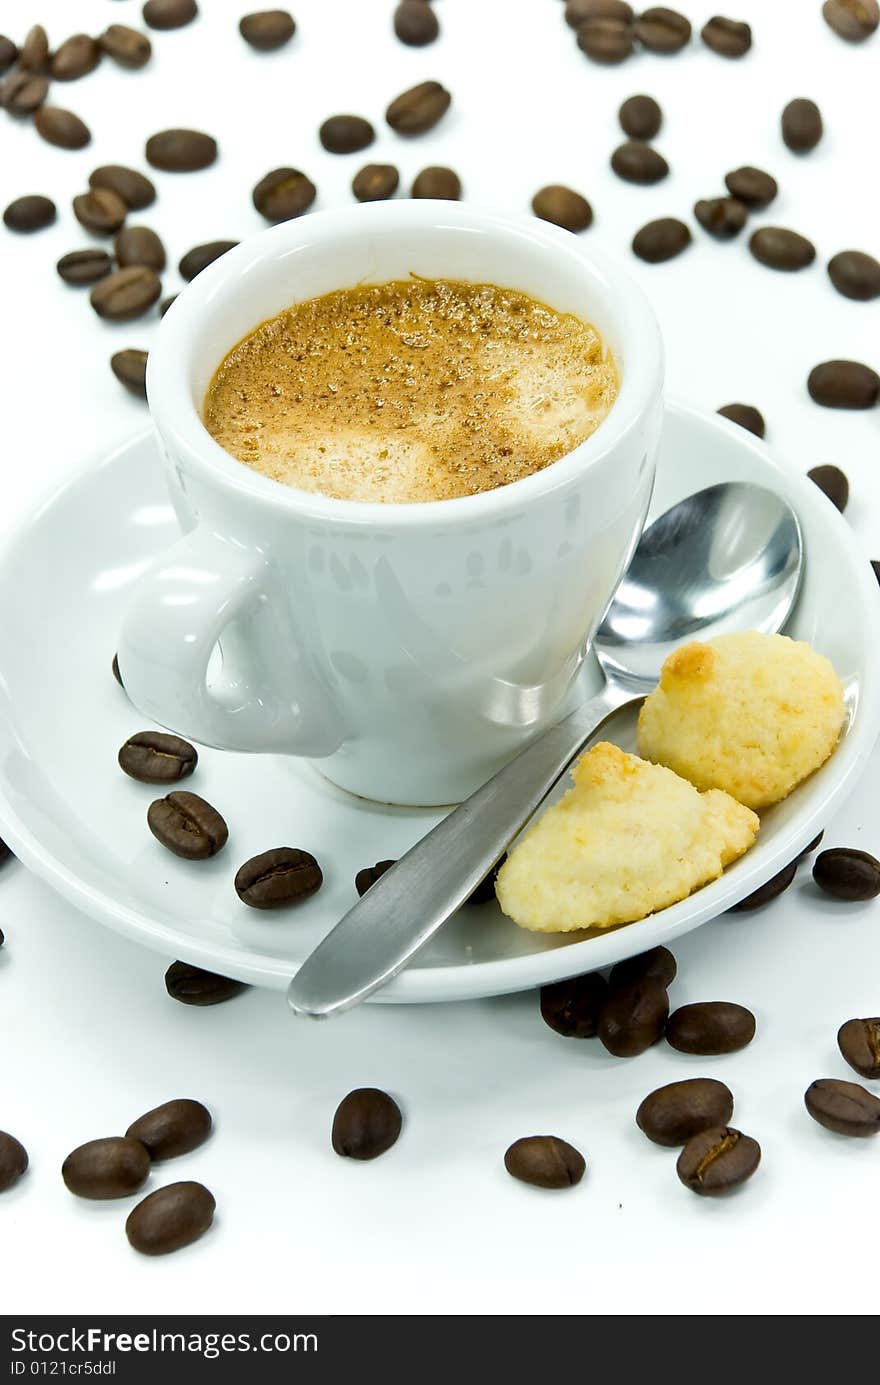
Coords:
pixel 728 558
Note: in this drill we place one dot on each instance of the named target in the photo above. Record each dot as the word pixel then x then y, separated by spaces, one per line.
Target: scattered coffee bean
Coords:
pixel 84 266
pixel 108 1168
pixel 415 23
pixel 126 293
pixel 563 206
pixel 640 117
pixel 752 186
pixel 722 217
pixel 545 1161
pixel 778 248
pixel 181 151
pixel 187 825
pixel 139 245
pixel 746 415
pixel 126 46
pixel 369 875
pixel 811 846
pixel 672 1114
pixel 134 188
pixel 279 877
pixel 577 12
pixel 375 182
pixel 844 385
pixel 157 758
pixel 658 964
pixel 633 1017
pixel 801 125
pixel 419 109
pixel 13 1160
pixel 62 128
pixel 170 1218
pixel 346 134
pixel 283 194
pixel 718 1160
pixel 875 567
pixel 844 1107
pixel 169 14
pixel 166 304
pixel 76 57
pixel 710 1028
pixel 770 890
pixel 267 29
pixel 484 893
pixel 847 874
pixel 8 53
pixel 661 240
pixel 194 986
pixel 34 55
pixel 572 1007
pixel 174 1128
pixel 639 163
pixel 729 37
pixel 443 184
pixel 662 30
pixel 859 1042
pixel 606 40
pixel 31 213
pixel 114 668
pixel 197 259
pixel 366 1124
pixel 130 369
pixel 833 483
pixel 855 275
pixel 854 20
pixel 100 211
pixel 23 92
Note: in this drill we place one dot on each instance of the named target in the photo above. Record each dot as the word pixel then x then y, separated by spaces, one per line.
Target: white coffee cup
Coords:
pixel 408 650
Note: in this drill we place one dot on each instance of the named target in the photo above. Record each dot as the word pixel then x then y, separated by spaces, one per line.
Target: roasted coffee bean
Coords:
pixel 672 1114
pixel 638 163
pixel 30 213
pixel 640 117
pixel 443 184
pixel 633 1017
pixel 166 304
pixel 801 125
pixel 811 846
pixel 854 20
pixel 710 1028
pixel 13 1160
pixel 62 128
pixel 833 483
pixel 8 53
pixel 875 567
pixel 197 259
pixel 101 211
pixel 126 46
pixel 752 186
pixel 279 877
pixel 114 669
pixel 722 217
pixel 187 825
pixel 545 1161
pixel 194 986
pixel 577 12
pixel 418 109
pixel 126 293
pixel 346 134
pixel 139 245
pixel 662 30
pixel 415 23
pixel 283 194
pixel 134 188
pixel 844 385
pixel 157 758
pixel 76 57
pixel 855 275
pixel 181 151
pixel 170 1218
pixel 84 266
pixel 844 1107
pixel 859 1042
pixel 366 1124
pixel 848 874
pixel 563 206
pixel 130 369
pixel 718 1160
pixel 34 55
pixel 572 1007
pixel 608 41
pixel 661 240
pixel 770 890
pixel 484 893
pixel 375 182
pixel 23 92
pixel 369 875
pixel 169 14
pixel 729 37
pixel 658 964
pixel 174 1128
pixel 746 415
pixel 778 248
pixel 267 29
pixel 102 1169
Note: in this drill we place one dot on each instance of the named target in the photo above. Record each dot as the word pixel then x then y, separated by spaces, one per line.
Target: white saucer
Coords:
pixel 71 815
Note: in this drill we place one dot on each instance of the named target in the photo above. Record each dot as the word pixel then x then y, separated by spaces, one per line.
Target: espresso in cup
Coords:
pixel 413 390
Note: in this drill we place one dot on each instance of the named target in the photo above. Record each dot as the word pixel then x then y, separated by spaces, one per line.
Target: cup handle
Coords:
pixel 266 697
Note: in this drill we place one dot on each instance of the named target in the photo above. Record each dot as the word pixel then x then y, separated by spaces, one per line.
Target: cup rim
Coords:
pixel 179 421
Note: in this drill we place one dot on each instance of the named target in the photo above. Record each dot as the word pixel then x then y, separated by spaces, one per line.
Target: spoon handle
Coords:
pixel 417 895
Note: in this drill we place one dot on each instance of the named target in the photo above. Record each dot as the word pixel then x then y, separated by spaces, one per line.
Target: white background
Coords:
pixel 89 1038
